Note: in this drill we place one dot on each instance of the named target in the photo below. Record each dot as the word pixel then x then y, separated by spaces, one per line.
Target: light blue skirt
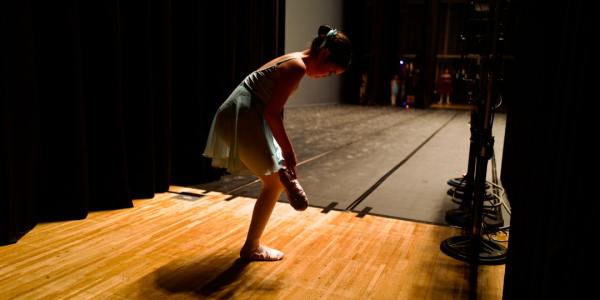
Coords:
pixel 240 140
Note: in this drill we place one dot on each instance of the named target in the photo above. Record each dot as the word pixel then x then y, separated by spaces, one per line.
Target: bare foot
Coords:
pixel 262 253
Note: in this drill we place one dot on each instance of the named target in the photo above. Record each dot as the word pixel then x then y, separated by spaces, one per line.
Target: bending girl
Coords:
pixel 247 133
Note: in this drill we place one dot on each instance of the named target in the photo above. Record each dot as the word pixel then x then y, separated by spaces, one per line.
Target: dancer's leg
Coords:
pixel 254 153
pixel 263 208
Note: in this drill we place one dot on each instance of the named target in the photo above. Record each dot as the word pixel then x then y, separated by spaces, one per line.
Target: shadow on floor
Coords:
pixel 205 278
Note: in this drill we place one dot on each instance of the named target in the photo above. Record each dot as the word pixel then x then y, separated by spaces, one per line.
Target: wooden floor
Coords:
pixel 175 248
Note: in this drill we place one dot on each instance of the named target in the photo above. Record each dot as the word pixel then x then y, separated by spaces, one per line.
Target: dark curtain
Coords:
pixel 382 50
pixel 428 59
pixel 548 155
pixel 215 45
pixel 354 26
pixel 108 101
pixel 382 32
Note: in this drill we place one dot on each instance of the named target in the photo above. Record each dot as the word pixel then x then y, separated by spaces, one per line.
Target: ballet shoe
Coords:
pixel 294 191
pixel 263 253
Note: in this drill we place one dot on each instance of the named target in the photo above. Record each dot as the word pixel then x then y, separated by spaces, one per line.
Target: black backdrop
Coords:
pixel 108 101
pixel 548 159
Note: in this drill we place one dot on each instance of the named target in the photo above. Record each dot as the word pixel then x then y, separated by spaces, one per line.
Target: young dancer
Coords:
pixel 247 133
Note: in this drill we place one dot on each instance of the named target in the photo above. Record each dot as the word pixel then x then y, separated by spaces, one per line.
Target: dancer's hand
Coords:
pixel 290 163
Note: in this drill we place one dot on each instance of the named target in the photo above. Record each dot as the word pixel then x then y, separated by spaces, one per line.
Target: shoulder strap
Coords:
pixel 276 64
pixel 287 59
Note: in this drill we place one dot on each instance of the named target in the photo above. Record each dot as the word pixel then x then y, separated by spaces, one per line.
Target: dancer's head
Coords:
pixel 331 52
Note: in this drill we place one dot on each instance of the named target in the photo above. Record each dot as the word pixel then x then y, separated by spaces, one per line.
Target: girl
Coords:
pixel 247 133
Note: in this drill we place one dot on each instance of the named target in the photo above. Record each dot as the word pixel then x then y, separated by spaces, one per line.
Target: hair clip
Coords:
pixel 331 32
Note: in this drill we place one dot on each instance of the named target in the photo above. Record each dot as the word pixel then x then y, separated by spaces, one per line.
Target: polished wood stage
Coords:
pixel 179 246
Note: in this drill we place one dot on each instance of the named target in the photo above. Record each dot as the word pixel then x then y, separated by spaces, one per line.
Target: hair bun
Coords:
pixel 324 29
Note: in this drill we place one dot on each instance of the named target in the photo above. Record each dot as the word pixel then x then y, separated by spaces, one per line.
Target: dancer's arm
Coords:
pixel 290 74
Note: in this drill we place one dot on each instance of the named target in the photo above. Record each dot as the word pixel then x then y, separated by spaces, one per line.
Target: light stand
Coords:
pixel 472 248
